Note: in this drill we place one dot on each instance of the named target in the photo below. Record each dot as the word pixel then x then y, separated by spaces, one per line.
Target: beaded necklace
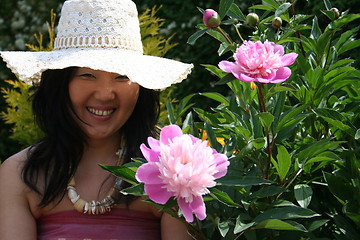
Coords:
pixel 95 207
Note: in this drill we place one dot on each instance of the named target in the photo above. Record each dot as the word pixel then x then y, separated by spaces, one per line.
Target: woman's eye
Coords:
pixel 122 78
pixel 89 75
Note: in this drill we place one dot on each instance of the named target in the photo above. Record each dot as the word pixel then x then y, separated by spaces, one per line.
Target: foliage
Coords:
pixel 294 147
pixel 19 114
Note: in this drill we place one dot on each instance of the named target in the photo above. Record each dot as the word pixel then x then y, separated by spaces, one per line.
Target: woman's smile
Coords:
pixel 102 101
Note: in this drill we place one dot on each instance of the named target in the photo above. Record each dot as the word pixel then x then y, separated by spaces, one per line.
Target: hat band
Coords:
pixel 96 42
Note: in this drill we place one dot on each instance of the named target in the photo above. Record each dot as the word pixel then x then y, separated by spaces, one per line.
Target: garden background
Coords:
pixel 294 147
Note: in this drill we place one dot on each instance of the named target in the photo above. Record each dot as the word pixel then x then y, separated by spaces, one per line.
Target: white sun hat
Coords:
pixel 101 35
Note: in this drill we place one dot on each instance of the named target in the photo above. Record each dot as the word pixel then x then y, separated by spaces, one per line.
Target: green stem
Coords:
pixel 262 107
pixel 237 30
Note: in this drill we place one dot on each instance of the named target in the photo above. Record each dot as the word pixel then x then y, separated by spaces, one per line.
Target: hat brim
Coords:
pixel 148 71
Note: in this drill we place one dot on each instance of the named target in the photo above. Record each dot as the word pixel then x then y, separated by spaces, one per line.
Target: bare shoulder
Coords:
pixel 10 169
pixel 14 204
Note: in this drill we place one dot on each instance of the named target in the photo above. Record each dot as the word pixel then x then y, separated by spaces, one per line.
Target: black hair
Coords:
pixel 55 158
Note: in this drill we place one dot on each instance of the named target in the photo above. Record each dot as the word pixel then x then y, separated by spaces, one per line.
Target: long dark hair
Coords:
pixel 55 158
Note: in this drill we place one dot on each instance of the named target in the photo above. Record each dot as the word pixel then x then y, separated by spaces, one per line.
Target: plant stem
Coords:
pixel 298 35
pixel 225 35
pixel 262 107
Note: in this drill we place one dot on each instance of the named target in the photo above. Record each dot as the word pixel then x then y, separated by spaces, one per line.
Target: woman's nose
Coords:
pixel 105 90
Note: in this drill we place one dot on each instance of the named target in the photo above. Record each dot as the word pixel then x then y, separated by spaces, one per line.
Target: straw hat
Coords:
pixel 102 35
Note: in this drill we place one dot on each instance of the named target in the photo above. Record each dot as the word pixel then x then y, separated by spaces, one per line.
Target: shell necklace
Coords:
pixel 95 207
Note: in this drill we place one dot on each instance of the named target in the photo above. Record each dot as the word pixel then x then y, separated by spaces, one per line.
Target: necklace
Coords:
pixel 95 207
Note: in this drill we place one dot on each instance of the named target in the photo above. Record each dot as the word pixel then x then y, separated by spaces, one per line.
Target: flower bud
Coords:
pixel 336 12
pixel 211 18
pixel 276 22
pixel 252 19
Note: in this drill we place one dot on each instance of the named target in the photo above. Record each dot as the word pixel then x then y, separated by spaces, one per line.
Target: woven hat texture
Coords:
pixel 102 35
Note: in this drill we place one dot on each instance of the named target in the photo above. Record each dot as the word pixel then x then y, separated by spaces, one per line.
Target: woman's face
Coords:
pixel 102 101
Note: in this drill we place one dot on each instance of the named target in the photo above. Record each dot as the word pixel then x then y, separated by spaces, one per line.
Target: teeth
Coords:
pixel 101 112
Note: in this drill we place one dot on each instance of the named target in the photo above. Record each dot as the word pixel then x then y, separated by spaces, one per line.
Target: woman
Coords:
pixel 96 104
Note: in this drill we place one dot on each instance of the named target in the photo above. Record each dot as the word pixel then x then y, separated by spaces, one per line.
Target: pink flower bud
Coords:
pixel 276 22
pixel 211 18
pixel 252 19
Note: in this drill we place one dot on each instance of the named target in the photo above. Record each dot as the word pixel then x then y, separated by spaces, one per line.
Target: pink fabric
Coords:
pixel 119 224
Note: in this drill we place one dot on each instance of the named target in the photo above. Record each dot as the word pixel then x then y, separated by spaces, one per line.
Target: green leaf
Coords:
pixel 224 7
pixel 327 4
pixel 357 135
pixel 242 181
pixel 271 3
pixel 333 117
pixel 223 197
pixel 303 194
pixel 215 70
pixel 263 7
pixel 283 162
pixel 277 224
pixel 282 9
pixel 259 143
pixel 192 39
pixel 170 111
pixel 236 12
pixel 224 227
pixel 240 226
pixel 349 46
pixel 217 97
pixel 286 213
pixel 266 119
pixel 316 224
pixel 346 227
pixel 212 138
pixel 315 30
pixel 315 148
pixel 137 190
pixel 267 191
pixel 122 172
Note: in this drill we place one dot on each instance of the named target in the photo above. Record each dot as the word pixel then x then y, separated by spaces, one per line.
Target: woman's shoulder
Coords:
pixel 14 163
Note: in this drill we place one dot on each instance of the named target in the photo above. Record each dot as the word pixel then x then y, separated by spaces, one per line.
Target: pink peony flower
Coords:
pixel 260 62
pixel 181 166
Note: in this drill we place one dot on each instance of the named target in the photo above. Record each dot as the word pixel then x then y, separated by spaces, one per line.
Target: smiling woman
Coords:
pixel 95 106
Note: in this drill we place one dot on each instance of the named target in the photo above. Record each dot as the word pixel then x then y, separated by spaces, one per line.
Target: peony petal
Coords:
pixel 246 78
pixel 226 66
pixel 154 144
pixel 169 132
pixel 148 173
pixel 198 207
pixel 288 59
pixel 149 154
pixel 185 209
pixel 282 74
pixel 222 163
pixel 157 193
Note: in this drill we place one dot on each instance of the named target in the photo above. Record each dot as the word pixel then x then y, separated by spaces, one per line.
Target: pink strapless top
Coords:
pixel 119 224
